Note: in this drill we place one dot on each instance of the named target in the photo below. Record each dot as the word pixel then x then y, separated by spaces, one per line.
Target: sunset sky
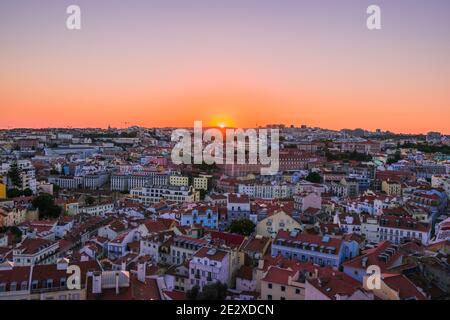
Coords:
pixel 237 62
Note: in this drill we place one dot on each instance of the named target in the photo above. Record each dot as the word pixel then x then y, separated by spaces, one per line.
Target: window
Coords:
pixel 13 286
pixel 282 298
pixel 269 285
pixel 297 291
pixel 269 297
pixel 283 288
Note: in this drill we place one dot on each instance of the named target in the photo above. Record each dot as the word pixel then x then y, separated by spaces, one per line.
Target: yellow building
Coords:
pixel 280 220
pixel 180 181
pixel 12 216
pixel 282 284
pixel 2 190
pixel 391 188
pixel 200 183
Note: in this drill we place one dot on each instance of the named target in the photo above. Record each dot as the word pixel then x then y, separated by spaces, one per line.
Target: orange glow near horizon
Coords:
pixel 238 64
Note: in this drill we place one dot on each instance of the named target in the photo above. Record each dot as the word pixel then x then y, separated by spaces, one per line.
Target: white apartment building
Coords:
pixel 67 182
pixel 125 182
pixel 268 190
pixel 370 229
pixel 400 229
pixel 27 173
pixel 35 251
pixel 97 209
pixel 441 181
pixel 154 193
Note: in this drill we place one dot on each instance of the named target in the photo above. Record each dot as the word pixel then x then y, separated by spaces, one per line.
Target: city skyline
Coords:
pixel 241 64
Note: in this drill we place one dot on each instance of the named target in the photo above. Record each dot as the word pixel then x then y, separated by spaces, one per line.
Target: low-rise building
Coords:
pixel 399 229
pixel 153 194
pixel 35 251
pixel 272 224
pixel 183 248
pixel 320 250
pixel 207 266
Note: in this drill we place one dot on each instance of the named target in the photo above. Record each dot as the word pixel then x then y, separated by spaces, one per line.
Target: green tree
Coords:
pixel 14 175
pixel 90 200
pixel 27 192
pixel 203 194
pixel 13 229
pixel 313 177
pixel 244 227
pixel 46 206
pixel 214 291
pixel 13 193
pixel 397 157
pixel 193 294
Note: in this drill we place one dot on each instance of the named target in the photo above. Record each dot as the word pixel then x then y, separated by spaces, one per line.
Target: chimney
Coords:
pixel 316 273
pixel 117 282
pixel 97 282
pixel 62 264
pixel 141 270
pixel 260 263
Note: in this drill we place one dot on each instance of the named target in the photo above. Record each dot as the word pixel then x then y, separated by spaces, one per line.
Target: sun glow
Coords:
pixel 222 121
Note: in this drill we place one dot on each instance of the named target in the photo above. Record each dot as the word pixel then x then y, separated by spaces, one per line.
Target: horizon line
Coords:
pixel 216 126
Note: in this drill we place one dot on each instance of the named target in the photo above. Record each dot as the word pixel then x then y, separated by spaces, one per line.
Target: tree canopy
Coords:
pixel 214 291
pixel 14 175
pixel 313 177
pixel 243 227
pixel 46 206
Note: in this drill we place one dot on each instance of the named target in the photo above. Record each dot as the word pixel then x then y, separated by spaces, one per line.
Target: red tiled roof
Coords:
pixel 230 239
pixel 371 257
pixel 336 283
pixel 405 223
pixel 279 275
pixel 211 253
pixel 175 295
pixel 238 198
pixel 256 244
pixel 32 246
pixel 311 239
pixel 245 272
pixel 405 288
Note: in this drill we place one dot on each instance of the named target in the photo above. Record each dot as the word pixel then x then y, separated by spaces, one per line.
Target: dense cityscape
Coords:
pixel 104 214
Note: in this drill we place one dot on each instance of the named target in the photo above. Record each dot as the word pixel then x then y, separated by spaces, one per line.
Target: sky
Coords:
pixel 159 63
